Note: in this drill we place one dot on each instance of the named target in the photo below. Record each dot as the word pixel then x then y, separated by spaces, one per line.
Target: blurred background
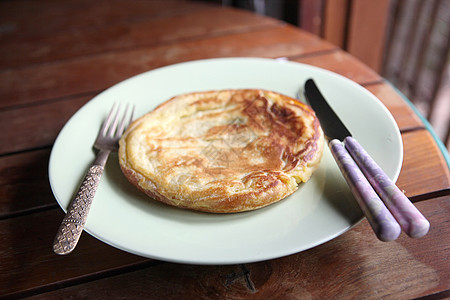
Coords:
pixel 406 41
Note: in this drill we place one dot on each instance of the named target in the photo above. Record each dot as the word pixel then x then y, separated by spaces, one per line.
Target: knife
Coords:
pixel 386 208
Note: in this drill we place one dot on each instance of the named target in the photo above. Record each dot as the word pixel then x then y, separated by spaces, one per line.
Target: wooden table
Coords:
pixel 57 55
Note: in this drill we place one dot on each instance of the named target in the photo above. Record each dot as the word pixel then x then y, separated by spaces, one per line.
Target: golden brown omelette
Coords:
pixel 222 151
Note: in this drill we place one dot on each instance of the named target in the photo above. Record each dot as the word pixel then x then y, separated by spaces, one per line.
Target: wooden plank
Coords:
pixel 96 72
pixel 424 168
pixel 353 266
pixel 24 183
pixel 344 64
pixel 36 126
pixel 132 30
pixel 34 108
pixel 367 31
pixel 28 262
pixel 335 22
pixel 32 19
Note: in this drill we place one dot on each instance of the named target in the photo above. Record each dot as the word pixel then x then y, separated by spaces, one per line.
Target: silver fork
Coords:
pixel 107 141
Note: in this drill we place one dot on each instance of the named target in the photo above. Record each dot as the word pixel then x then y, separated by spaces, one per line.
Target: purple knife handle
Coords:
pixel 383 223
pixel 409 217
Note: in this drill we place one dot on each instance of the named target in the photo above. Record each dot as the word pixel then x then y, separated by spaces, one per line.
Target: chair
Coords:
pixel 417 58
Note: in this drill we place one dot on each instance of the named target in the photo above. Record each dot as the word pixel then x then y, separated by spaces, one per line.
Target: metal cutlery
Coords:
pixel 107 139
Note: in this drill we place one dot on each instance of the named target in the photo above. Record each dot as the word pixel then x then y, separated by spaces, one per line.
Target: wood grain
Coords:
pixel 36 126
pixel 422 172
pixel 27 260
pixel 57 55
pixel 354 265
pixel 88 30
pixel 68 77
pixel 47 17
pixel 24 183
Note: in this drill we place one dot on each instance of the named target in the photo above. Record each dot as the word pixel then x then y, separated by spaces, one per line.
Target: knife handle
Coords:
pixel 409 217
pixel 383 223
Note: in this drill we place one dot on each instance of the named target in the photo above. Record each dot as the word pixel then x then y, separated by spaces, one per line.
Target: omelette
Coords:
pixel 222 151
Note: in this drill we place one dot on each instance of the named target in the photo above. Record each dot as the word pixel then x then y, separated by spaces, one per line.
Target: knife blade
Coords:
pixel 387 209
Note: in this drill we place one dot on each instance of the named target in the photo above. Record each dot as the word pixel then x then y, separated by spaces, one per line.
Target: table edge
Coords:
pixel 427 124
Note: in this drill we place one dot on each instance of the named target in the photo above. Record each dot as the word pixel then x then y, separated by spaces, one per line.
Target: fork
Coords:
pixel 107 141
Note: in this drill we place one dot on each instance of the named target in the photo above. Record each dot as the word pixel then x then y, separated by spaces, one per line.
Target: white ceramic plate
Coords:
pixel 322 209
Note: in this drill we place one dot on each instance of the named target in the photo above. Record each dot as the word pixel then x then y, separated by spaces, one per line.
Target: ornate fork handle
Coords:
pixel 107 140
pixel 73 223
